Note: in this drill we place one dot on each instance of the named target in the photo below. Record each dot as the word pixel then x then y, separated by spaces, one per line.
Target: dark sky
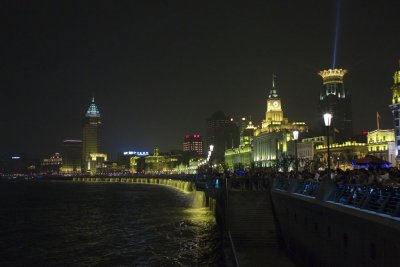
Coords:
pixel 158 69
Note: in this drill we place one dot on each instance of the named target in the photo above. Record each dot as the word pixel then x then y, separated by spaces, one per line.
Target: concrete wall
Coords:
pixel 201 199
pixel 319 233
pixel 182 185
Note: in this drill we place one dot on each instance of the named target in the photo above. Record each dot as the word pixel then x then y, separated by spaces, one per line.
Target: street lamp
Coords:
pixel 209 159
pixel 327 121
pixel 295 138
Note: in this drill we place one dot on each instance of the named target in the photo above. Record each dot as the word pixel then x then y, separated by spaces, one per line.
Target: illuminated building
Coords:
pixel 381 144
pixel 97 163
pixel 271 140
pixel 53 164
pixel 241 123
pixel 194 165
pixel 342 154
pixel 193 143
pixel 222 133
pixel 241 157
pixel 395 107
pixel 246 135
pixel 71 156
pixel 157 163
pixel 238 158
pixel 91 134
pixel 306 152
pixel 335 99
pixel 130 160
pixel 134 163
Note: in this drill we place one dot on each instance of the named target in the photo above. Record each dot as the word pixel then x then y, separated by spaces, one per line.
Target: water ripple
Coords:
pixel 75 224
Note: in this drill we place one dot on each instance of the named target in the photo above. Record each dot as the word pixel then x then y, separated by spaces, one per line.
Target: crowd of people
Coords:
pixel 371 176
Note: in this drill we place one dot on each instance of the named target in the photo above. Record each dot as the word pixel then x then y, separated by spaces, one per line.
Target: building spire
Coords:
pixel 93 111
pixel 273 92
pixel 273 80
pixel 396 76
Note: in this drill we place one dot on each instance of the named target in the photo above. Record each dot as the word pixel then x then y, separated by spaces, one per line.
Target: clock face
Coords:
pixel 275 103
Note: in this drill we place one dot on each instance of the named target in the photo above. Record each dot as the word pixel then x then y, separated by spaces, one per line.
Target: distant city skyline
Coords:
pixel 159 71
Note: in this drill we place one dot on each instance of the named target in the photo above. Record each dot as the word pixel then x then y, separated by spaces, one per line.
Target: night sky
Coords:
pixel 158 69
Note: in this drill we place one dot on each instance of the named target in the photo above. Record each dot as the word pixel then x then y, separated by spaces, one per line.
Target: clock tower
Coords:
pixel 271 142
pixel 274 113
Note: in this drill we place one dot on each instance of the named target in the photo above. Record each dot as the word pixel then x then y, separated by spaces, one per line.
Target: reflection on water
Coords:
pixel 65 223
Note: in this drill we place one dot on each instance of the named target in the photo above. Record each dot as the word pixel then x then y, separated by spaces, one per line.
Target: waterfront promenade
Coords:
pixel 249 233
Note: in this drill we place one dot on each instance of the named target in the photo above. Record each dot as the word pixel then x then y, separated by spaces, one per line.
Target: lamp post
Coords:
pixel 295 138
pixel 327 121
pixel 209 159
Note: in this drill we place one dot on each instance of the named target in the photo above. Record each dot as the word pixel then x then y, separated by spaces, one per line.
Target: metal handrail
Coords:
pixel 233 249
pixel 382 200
pixel 379 199
pixel 227 224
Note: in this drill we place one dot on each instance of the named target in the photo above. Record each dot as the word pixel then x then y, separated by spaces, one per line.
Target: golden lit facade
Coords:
pixel 336 99
pixel 396 88
pixel 97 163
pixel 157 163
pixel 194 165
pixel 270 142
pixel 91 138
pixel 333 76
pixel 53 164
pixel 342 154
pixel 134 162
pixel 381 145
pixel 238 158
pixel 306 151
pixel 395 107
pixel 241 157
pixel 307 147
pixel 72 156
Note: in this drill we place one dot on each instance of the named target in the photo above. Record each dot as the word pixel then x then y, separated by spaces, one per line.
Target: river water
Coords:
pixel 103 224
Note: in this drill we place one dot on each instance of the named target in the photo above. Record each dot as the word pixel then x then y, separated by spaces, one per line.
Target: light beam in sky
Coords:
pixel 336 37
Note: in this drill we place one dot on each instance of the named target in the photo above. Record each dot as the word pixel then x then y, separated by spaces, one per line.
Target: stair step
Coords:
pixel 251 220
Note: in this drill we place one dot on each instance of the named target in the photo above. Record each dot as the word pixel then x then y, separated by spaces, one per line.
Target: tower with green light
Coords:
pixel 395 107
pixel 91 139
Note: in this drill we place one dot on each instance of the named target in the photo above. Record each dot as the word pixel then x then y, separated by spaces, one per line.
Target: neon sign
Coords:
pixel 136 153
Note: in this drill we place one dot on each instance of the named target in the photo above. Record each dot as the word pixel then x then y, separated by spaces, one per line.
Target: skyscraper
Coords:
pixel 91 134
pixel 335 99
pixel 193 143
pixel 71 156
pixel 395 107
pixel 222 133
